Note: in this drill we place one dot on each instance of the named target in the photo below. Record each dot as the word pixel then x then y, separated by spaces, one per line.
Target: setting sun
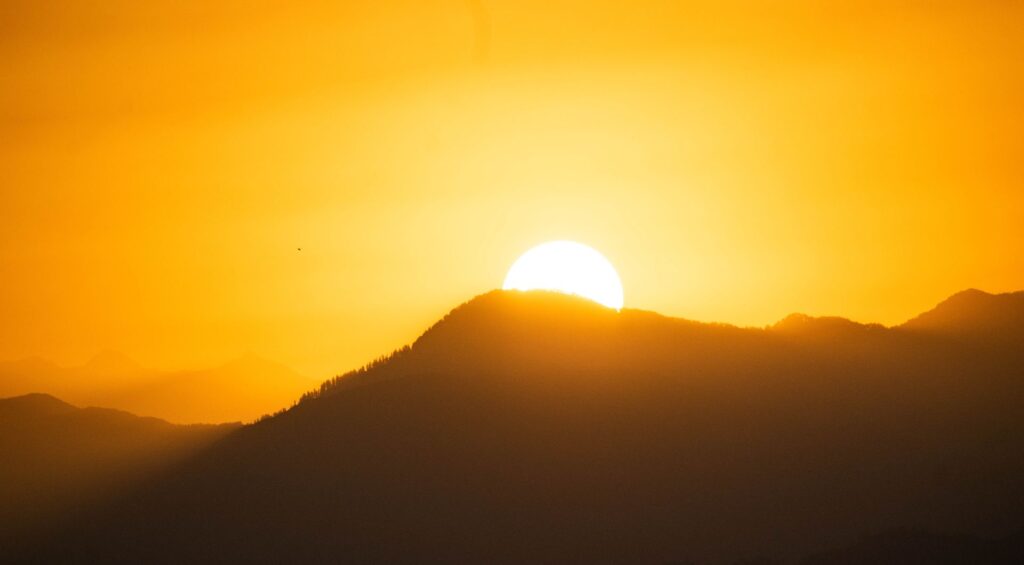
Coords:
pixel 569 267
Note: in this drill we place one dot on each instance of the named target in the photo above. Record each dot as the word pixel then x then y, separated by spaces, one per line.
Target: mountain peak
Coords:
pixel 250 362
pixel 111 362
pixel 532 300
pixel 970 294
pixel 973 310
pixel 505 310
pixel 828 327
pixel 35 403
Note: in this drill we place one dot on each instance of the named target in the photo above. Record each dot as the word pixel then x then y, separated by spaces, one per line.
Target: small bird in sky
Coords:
pixel 300 249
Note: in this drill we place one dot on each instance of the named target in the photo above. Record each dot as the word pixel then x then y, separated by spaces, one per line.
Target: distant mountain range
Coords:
pixel 536 427
pixel 239 391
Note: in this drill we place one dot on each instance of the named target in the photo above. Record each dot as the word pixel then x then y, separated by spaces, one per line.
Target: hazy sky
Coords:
pixel 161 162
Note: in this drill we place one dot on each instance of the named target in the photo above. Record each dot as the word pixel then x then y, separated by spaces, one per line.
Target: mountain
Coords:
pixel 58 458
pixel 975 313
pixel 109 362
pixel 535 427
pixel 241 390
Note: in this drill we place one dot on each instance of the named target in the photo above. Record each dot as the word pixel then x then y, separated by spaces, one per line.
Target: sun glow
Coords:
pixel 568 267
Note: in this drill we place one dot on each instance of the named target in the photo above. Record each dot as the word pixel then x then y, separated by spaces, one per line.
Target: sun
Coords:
pixel 568 267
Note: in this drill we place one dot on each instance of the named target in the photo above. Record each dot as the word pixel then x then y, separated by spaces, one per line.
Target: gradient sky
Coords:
pixel 161 162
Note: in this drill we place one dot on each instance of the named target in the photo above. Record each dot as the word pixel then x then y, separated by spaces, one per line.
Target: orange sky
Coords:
pixel 161 162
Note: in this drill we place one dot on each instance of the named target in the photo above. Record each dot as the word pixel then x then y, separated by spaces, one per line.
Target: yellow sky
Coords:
pixel 161 162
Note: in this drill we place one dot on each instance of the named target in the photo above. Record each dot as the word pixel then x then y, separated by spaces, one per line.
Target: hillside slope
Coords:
pixel 58 459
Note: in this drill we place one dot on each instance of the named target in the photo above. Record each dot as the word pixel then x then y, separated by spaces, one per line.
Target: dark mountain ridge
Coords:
pixel 541 427
pixel 58 459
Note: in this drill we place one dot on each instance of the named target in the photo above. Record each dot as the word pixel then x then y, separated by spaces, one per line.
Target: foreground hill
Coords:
pixel 241 390
pixel 537 427
pixel 57 458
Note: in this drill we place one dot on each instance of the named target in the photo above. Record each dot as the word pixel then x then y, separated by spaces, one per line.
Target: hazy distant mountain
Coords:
pixel 528 427
pixel 111 363
pixel 241 390
pixel 56 458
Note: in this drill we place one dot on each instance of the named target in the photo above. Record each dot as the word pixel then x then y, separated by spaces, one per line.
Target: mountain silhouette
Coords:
pixel 240 390
pixel 58 458
pixel 535 426
pixel 109 362
pixel 974 313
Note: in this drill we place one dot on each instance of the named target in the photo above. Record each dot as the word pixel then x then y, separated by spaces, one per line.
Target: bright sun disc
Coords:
pixel 568 267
